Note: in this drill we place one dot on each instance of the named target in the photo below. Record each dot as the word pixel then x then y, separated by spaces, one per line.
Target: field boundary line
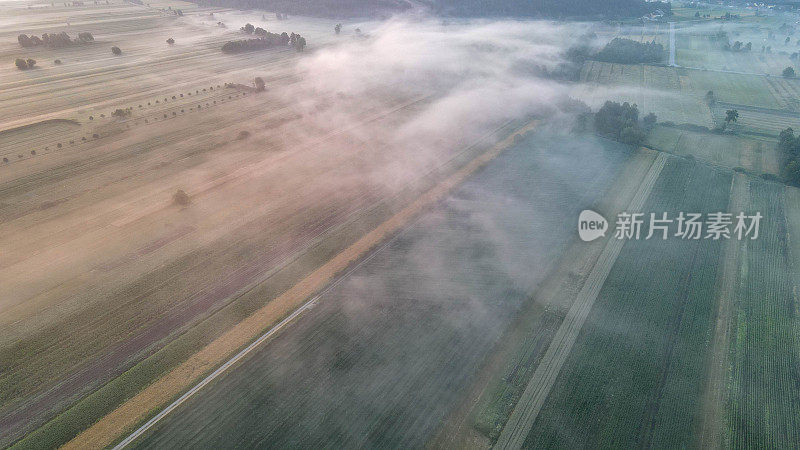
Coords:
pixel 109 428
pixel 530 403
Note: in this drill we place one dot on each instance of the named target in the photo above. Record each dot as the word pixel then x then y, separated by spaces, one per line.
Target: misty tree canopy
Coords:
pixel 620 122
pixel 627 51
pixel 463 8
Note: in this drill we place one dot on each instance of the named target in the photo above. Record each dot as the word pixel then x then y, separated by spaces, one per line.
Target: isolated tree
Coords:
pixel 731 115
pixel 121 113
pixel 792 172
pixel 170 41
pixel 260 85
pixel 21 64
pixel 788 72
pixel 300 44
pixel 649 121
pixel 31 63
pixel 737 46
pixel 748 46
pixel 787 40
pixel 115 50
pixel 181 198
pixel 338 28
pixel 57 62
pixel 710 98
pixel 248 28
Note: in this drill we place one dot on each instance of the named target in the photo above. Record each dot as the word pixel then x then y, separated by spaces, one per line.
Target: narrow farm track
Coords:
pixel 519 424
pixel 712 434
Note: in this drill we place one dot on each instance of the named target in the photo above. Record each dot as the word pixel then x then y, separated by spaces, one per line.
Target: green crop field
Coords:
pixel 763 398
pixel 636 372
pixel 758 120
pixel 757 156
pixel 653 89
pixel 752 90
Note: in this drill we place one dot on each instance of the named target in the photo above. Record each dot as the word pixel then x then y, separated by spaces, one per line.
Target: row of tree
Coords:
pixel 627 51
pixel 53 40
pixel 737 46
pixel 789 145
pixel 264 41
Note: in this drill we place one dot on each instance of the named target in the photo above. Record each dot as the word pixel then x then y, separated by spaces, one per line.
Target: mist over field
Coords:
pixel 359 120
pixel 352 223
pixel 474 75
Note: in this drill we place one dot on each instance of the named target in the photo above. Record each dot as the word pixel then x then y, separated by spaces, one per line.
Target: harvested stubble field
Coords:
pixel 385 354
pixel 101 272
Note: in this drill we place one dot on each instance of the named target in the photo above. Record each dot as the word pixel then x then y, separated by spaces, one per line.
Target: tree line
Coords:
pixel 627 51
pixel 606 9
pixel 265 40
pixel 53 40
pixel 789 146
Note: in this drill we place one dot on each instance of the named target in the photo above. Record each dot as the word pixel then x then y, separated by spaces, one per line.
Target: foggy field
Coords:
pixel 641 353
pixel 108 282
pixel 380 360
pixel 400 197
pixel 653 89
pixel 755 156
pixel 752 90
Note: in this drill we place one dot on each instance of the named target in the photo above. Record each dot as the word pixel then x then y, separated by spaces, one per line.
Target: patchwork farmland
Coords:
pixel 368 360
pixel 369 240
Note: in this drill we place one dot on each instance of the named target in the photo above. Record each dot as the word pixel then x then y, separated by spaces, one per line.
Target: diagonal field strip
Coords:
pixel 113 426
pixel 711 433
pixel 542 380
